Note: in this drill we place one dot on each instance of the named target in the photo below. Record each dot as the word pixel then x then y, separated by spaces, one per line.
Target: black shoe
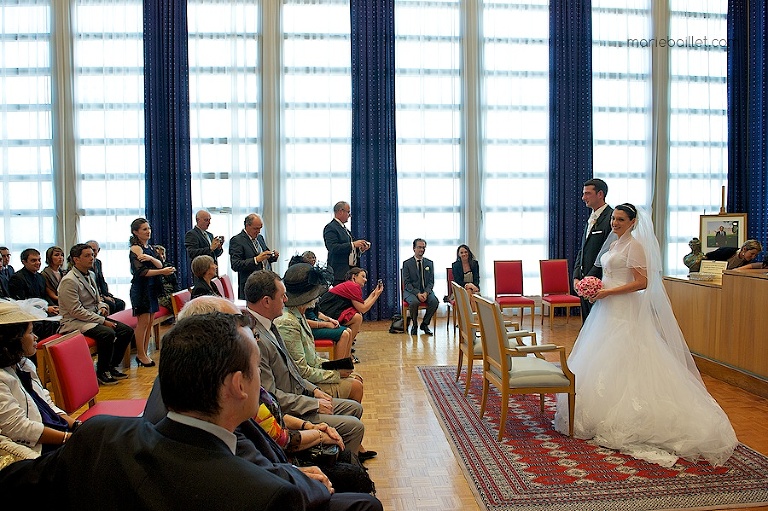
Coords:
pixel 426 329
pixel 106 379
pixel 142 364
pixel 363 456
pixel 414 331
pixel 117 375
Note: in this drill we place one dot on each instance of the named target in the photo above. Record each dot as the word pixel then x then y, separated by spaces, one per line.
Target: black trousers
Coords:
pixel 115 306
pixel 111 344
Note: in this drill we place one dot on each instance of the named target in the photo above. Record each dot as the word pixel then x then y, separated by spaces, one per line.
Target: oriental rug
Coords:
pixel 536 468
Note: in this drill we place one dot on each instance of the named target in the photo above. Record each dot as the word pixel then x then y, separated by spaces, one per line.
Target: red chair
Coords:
pixel 43 371
pixel 229 291
pixel 216 281
pixel 422 305
pixel 556 288
pixel 508 284
pixel 450 300
pixel 74 380
pixel 179 299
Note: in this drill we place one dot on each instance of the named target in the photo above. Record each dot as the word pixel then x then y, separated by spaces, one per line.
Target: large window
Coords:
pixel 26 121
pixel 225 126
pixel 515 137
pixel 698 118
pixel 429 132
pixel 109 128
pixel 317 120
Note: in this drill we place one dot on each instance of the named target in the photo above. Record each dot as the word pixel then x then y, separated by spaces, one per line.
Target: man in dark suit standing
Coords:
pixel 129 463
pixel 343 250
pixel 114 303
pixel 248 252
pixel 418 281
pixel 198 241
pixel 6 271
pixel 595 233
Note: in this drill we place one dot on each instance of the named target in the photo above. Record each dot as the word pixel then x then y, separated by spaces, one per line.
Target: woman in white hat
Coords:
pixel 28 416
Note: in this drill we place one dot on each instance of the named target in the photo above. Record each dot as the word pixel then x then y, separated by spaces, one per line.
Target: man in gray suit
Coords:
pixel 82 308
pixel 198 241
pixel 248 252
pixel 418 284
pixel 265 294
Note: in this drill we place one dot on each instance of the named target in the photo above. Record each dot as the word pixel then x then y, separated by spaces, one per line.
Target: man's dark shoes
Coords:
pixel 414 331
pixel 106 379
pixel 363 456
pixel 425 329
pixel 117 375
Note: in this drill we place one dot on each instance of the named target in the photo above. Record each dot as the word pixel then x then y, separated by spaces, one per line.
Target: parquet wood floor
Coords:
pixel 416 468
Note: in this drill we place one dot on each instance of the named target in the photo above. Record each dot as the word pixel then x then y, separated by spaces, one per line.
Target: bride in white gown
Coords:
pixel 637 388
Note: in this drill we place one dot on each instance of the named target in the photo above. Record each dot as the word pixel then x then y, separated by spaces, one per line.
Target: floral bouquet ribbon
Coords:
pixel 588 287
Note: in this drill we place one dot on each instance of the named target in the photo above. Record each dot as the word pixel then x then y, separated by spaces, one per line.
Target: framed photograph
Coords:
pixel 717 231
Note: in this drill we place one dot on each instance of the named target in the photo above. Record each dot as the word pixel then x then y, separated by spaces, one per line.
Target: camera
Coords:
pixel 272 257
pixel 380 282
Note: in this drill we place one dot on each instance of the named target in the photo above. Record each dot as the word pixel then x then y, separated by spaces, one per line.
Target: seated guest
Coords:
pixel 738 258
pixel 304 283
pixel 466 270
pixel 114 303
pixel 28 416
pixel 29 283
pixel 345 301
pixel 170 282
pixel 53 272
pixel 4 277
pixel 418 282
pixel 83 310
pixel 265 293
pixel 324 327
pixel 204 269
pixel 130 463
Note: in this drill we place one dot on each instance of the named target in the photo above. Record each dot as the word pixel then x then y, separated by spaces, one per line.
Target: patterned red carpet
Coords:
pixel 536 468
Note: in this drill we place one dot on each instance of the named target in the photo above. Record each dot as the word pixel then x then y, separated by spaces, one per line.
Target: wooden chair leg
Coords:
pixel 470 365
pixel 504 411
pixel 458 368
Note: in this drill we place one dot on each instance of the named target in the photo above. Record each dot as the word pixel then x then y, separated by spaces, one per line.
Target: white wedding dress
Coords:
pixel 637 388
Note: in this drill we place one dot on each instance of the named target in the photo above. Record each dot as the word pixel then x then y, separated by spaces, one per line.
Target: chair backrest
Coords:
pixel 508 277
pixel 492 334
pixel 179 299
pixel 464 315
pixel 449 275
pixel 216 281
pixel 72 373
pixel 554 277
pixel 229 291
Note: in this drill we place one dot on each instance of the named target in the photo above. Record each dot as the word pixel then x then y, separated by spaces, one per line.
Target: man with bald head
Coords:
pixel 198 241
pixel 248 252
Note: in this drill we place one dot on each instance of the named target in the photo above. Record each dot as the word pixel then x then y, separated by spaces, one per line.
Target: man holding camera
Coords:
pixel 198 241
pixel 248 252
pixel 344 251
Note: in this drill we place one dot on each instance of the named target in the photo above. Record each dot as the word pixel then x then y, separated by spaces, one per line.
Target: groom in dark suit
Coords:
pixel 198 241
pixel 595 233
pixel 343 250
pixel 129 463
pixel 418 281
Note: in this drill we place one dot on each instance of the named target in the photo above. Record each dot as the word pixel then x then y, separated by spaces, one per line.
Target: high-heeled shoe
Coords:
pixel 142 364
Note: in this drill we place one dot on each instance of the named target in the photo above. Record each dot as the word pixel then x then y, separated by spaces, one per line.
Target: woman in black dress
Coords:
pixel 146 285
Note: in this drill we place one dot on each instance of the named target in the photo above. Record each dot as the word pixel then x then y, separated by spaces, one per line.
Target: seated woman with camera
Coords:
pixel 345 303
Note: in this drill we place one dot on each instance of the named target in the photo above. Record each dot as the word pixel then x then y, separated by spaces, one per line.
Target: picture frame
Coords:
pixel 728 230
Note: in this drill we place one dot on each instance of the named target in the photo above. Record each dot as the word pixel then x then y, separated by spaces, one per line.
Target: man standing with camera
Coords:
pixel 248 252
pixel 198 241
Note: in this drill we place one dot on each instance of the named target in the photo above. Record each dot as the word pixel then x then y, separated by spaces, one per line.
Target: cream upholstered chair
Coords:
pixel 513 371
pixel 469 331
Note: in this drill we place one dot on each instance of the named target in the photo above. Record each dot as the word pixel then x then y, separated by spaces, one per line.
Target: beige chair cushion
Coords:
pixel 534 372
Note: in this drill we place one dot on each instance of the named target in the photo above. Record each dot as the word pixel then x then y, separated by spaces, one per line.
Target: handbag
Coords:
pixel 398 325
pixel 319 455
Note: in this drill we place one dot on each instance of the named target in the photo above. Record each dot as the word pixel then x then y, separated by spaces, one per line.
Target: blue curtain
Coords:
pixel 374 172
pixel 570 123
pixel 747 122
pixel 166 119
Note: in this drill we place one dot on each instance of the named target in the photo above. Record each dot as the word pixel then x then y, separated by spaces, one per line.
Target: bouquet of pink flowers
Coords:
pixel 588 287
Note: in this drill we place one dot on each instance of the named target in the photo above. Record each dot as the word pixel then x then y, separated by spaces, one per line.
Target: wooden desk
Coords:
pixel 725 324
